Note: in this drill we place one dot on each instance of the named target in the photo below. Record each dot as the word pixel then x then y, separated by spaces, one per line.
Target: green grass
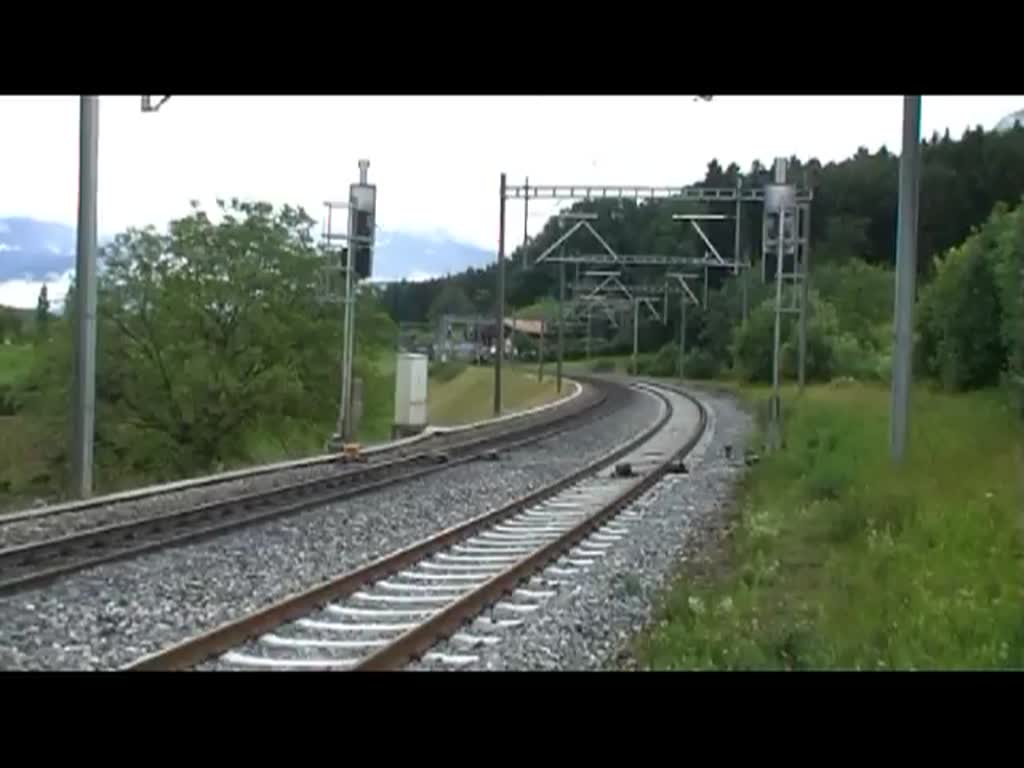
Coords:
pixel 457 396
pixel 622 364
pixel 841 560
pixel 298 441
pixel 538 311
pixel 15 362
pixel 469 396
pixel 23 470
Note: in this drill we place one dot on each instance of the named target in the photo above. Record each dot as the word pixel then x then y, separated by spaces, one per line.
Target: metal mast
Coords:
pixel 84 384
pixel 906 269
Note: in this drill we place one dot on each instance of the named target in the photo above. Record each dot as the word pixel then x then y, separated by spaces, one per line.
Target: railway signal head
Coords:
pixel 363 199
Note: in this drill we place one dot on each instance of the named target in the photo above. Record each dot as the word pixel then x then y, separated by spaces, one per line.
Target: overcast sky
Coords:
pixel 436 160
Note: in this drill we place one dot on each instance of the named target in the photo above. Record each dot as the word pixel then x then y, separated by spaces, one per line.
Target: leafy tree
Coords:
pixel 846 238
pixel 10 325
pixel 970 316
pixel 754 349
pixel 43 314
pixel 862 295
pixel 69 299
pixel 452 300
pixel 375 344
pixel 854 218
pixel 205 334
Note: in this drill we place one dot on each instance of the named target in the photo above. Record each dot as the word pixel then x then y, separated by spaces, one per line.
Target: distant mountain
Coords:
pixel 411 256
pixel 1010 121
pixel 35 250
pixel 40 250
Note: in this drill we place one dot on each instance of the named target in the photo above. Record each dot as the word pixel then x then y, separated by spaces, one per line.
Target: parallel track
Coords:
pixel 394 610
pixel 38 563
pixel 432 439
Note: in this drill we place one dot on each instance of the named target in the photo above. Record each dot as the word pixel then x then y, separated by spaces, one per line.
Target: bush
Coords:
pixel 850 359
pixel 664 363
pixel 702 364
pixel 699 363
pixel 861 361
pixel 971 352
pixel 446 371
pixel 603 366
pixel 970 316
pixel 862 295
pixel 880 567
pixel 755 342
pixel 10 403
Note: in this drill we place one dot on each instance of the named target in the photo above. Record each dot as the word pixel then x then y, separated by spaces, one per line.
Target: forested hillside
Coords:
pixel 854 216
pixel 214 351
pixel 853 237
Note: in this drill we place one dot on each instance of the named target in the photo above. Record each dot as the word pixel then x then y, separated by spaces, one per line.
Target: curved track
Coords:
pixel 36 563
pixel 394 610
pixel 432 438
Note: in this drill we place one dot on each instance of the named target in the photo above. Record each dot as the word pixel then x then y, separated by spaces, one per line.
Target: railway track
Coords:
pixel 434 438
pixel 37 563
pixel 394 610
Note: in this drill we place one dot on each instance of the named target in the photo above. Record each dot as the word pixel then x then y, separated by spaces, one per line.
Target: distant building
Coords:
pixel 473 337
pixel 1008 122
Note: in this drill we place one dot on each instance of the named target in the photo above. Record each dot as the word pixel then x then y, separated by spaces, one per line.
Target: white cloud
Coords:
pixel 436 160
pixel 6 247
pixel 421 277
pixel 25 293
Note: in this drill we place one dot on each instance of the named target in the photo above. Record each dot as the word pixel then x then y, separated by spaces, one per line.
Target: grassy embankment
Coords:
pixel 839 559
pixel 458 395
pixel 15 361
pixel 469 396
pixel 18 462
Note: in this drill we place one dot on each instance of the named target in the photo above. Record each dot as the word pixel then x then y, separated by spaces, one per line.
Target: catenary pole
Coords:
pixel 84 382
pixel 906 266
pixel 500 352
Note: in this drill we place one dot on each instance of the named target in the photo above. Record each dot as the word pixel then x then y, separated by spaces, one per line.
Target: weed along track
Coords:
pixel 395 610
pixel 38 562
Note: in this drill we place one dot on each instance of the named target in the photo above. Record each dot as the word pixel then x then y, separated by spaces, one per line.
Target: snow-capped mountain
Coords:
pixel 34 252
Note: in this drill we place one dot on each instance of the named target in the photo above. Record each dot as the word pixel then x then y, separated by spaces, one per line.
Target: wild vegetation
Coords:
pixel 840 559
pixel 213 351
pixel 853 243
pixel 210 341
pixel 837 557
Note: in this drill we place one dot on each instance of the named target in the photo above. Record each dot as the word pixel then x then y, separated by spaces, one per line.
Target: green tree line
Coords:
pixel 211 345
pixel 854 216
pixel 213 349
pixel 853 244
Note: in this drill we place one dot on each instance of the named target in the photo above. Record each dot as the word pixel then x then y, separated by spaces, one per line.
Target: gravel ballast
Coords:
pixel 594 614
pixel 112 614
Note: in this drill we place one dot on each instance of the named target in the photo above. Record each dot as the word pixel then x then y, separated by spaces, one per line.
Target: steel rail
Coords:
pixel 233 634
pixel 431 438
pixel 101 545
pixel 447 621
